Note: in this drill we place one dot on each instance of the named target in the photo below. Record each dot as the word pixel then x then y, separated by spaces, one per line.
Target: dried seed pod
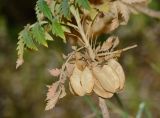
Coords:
pixel 107 78
pixel 119 70
pixel 113 77
pixel 100 91
pixel 71 89
pixel 87 80
pixel 101 21
pixel 80 64
pixel 75 80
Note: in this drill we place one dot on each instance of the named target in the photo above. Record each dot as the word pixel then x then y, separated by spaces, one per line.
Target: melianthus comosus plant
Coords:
pixel 92 66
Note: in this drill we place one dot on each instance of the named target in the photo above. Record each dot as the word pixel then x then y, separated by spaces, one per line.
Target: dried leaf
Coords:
pixel 52 90
pixel 63 92
pixel 115 42
pixel 111 42
pixel 52 95
pixel 87 80
pixel 107 44
pixel 55 72
pixel 113 25
pixel 100 23
pixel 98 48
pixel 134 1
pixel 19 62
pixel 20 51
pixel 69 69
pixel 52 102
pixel 124 11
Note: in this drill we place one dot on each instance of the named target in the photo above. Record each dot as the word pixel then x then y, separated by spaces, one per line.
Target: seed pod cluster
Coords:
pixel 102 80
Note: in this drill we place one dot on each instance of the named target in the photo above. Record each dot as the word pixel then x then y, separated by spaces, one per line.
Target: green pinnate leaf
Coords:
pixel 65 8
pixel 83 3
pixel 58 30
pixel 43 7
pixel 39 34
pixel 38 13
pixel 48 37
pixel 27 38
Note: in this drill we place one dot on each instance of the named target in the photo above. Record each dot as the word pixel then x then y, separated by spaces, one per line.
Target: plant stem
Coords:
pixel 117 51
pixel 141 110
pixel 64 65
pixel 104 109
pixel 81 31
pixel 147 11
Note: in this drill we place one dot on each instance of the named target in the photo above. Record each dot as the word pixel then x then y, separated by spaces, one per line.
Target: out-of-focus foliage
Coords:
pixel 22 91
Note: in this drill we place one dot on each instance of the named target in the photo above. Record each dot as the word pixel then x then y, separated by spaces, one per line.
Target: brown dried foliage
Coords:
pixel 93 67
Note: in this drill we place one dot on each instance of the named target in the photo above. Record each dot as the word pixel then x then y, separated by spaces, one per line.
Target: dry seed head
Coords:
pixel 75 80
pixel 87 80
pixel 71 89
pixel 81 82
pixel 113 78
pixel 80 64
pixel 108 78
pixel 119 71
pixel 100 91
pixel 105 78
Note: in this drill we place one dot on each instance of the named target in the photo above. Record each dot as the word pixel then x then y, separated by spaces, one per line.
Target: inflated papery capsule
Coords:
pixel 75 81
pixel 107 78
pixel 119 70
pixel 100 91
pixel 87 80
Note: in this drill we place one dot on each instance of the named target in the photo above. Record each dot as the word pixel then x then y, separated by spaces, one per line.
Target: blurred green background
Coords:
pixel 23 91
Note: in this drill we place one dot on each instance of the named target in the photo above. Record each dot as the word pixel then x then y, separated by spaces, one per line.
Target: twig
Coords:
pixel 104 109
pixel 76 37
pixel 64 65
pixel 140 110
pixel 147 11
pixel 117 51
pixel 81 31
pixel 72 25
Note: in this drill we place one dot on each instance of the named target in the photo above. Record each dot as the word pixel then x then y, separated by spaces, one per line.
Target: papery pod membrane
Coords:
pixel 100 91
pixel 114 80
pixel 87 80
pixel 75 80
pixel 80 64
pixel 71 89
pixel 107 78
pixel 119 70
